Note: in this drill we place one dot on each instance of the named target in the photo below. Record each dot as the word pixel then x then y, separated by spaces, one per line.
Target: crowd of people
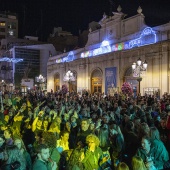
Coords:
pixel 57 131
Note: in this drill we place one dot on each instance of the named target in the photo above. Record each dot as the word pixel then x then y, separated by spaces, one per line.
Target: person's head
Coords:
pixel 6 118
pixel 144 128
pixel 43 152
pixel 11 112
pixel 129 126
pixel 24 105
pixel 39 123
pixel 6 96
pixel 68 126
pixel 146 143
pixel 19 143
pixel 92 126
pixel 54 127
pixel 19 117
pixel 154 133
pixel 94 116
pixel 58 120
pixel 45 123
pixel 115 105
pixel 85 124
pixel 92 140
pixel 3 127
pixel 122 166
pixel 64 135
pixel 8 133
pixel 163 123
pixel 73 119
pixel 38 136
pixel 30 113
pixel 149 109
pixel 114 129
pixel 137 163
pixel 105 118
pixel 2 140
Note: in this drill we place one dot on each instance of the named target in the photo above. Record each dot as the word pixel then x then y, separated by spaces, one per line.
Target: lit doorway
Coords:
pixel 96 81
pixel 57 82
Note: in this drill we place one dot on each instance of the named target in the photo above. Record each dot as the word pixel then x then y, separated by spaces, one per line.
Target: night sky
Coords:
pixel 38 17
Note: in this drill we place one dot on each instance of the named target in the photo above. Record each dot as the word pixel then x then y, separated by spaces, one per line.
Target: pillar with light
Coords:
pixel 138 70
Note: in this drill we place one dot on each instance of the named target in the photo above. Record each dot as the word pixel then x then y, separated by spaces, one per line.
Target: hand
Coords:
pixel 82 156
pixel 149 164
pixel 105 159
pixel 54 166
pixel 41 113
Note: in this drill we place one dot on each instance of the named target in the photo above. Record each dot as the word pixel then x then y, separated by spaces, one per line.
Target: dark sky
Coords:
pixel 38 17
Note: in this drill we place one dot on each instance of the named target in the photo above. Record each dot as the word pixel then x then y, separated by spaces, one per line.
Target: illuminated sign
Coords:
pixel 69 58
pixel 104 48
pixel 13 60
pixel 147 36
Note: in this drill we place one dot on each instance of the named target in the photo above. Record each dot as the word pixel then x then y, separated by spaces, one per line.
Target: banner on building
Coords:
pixel 110 81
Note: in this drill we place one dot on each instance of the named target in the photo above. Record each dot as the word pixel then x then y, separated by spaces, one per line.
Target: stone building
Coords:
pixel 106 60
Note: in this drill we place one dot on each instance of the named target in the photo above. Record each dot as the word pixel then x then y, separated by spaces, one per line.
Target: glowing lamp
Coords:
pixel 139 62
pixel 134 66
pixel 145 64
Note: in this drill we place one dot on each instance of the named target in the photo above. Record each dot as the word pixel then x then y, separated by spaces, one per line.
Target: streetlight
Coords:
pixel 3 86
pixel 40 79
pixel 138 69
pixel 69 76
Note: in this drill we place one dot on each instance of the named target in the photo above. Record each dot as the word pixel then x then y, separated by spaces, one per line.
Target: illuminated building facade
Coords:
pixel 34 61
pixel 105 62
pixel 24 59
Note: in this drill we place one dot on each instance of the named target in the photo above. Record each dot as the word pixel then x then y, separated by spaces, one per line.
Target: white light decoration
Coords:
pixel 148 36
pixel 134 66
pixel 69 76
pixel 139 62
pixel 139 69
pixel 11 33
pixel 40 79
pixel 13 60
pixel 105 43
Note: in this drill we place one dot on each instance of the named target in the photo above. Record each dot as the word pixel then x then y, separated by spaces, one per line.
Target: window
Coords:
pixel 2 36
pixel 2 29
pixel 12 26
pixel 11 33
pixel 2 23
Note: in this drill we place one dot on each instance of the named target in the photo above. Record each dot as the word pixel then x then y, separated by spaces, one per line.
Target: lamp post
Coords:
pixel 3 86
pixel 40 79
pixel 138 69
pixel 69 77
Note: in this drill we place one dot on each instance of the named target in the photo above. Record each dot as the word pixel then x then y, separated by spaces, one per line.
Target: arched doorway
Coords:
pixel 96 81
pixel 57 82
pixel 128 77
